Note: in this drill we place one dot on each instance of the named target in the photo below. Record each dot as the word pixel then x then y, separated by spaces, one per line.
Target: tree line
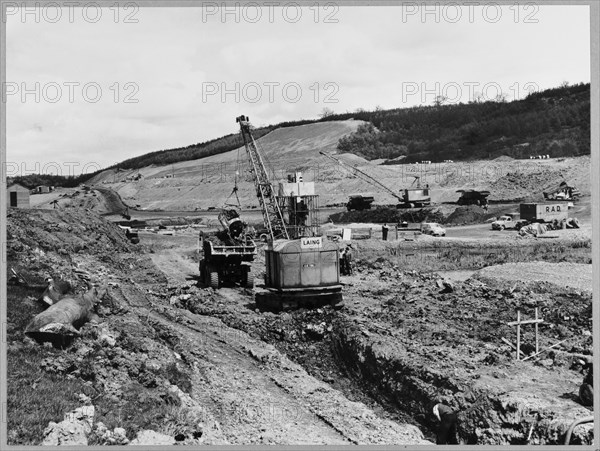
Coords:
pixel 555 122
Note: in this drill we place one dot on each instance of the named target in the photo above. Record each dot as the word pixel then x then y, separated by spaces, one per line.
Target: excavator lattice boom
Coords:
pixel 409 198
pixel 302 268
pixel 363 175
pixel 272 215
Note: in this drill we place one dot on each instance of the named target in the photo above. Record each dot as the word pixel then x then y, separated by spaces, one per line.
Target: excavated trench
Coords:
pixel 400 345
pixel 498 401
pixel 400 383
pixel 496 404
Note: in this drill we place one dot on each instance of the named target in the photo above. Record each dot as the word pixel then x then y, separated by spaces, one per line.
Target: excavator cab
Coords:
pixel 301 269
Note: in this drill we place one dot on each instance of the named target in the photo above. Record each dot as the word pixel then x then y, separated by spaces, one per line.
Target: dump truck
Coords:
pixel 472 197
pixel 224 263
pixel 535 212
pixel 359 202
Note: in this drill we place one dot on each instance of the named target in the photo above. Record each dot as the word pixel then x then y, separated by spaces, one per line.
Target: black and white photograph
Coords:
pixel 299 223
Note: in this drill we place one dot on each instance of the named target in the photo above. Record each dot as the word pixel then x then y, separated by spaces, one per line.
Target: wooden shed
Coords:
pixel 42 189
pixel 17 196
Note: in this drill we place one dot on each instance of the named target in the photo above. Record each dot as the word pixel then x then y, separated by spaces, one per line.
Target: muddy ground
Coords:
pixel 217 370
pixel 148 364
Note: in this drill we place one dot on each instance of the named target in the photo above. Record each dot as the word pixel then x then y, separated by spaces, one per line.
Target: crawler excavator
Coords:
pixel 409 198
pixel 301 267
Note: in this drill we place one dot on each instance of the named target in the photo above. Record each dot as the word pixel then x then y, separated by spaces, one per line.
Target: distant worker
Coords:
pixel 347 260
pixel 384 231
pixel 301 213
pixel 586 390
pixel 446 433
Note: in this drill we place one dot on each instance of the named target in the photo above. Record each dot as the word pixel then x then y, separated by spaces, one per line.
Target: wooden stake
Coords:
pixel 536 332
pixel 519 323
pixel 518 334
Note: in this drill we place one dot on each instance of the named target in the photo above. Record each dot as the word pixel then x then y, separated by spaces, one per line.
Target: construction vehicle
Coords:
pixel 472 197
pixel 227 255
pixel 409 198
pixel 359 202
pixel 415 197
pixel 131 234
pixel 301 267
pixel 562 191
pixel 544 212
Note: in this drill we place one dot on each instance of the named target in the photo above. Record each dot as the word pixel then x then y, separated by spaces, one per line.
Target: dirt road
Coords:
pixel 168 351
pixel 258 395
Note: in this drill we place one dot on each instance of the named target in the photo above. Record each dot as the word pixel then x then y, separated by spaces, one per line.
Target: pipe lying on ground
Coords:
pixel 574 425
pixel 63 319
pixel 56 289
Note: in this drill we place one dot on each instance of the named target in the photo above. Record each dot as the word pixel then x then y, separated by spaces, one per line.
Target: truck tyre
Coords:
pixel 214 279
pixel 247 279
pixel 501 227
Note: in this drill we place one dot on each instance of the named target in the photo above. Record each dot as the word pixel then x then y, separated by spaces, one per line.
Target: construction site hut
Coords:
pixel 42 189
pixel 17 196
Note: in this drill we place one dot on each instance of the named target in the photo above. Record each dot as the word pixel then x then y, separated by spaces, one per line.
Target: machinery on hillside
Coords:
pixel 301 268
pixel 359 202
pixel 409 198
pixel 562 191
pixel 473 197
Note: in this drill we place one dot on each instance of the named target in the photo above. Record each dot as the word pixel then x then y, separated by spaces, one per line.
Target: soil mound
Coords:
pixel 470 214
pixel 503 158
pixel 389 215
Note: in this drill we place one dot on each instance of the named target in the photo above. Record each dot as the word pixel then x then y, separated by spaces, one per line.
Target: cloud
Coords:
pixel 132 88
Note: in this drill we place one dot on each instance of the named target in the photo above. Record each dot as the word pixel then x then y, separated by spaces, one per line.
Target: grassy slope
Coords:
pixel 45 383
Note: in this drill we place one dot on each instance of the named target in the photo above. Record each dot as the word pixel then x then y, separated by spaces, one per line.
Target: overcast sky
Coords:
pixel 132 81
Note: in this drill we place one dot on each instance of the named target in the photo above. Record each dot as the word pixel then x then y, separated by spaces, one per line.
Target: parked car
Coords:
pixel 503 222
pixel 432 228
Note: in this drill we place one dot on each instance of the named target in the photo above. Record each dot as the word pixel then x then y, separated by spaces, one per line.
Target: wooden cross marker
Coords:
pixel 519 323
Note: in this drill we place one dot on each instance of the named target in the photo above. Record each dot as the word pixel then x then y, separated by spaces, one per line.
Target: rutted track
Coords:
pixel 114 203
pixel 257 394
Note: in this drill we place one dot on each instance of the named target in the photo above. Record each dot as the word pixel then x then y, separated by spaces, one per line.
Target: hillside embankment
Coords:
pixel 146 371
pixel 208 182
